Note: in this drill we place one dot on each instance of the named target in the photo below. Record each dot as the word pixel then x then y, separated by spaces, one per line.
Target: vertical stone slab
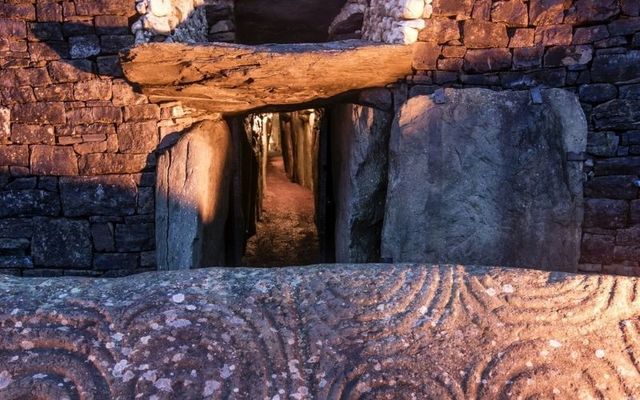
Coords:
pixel 192 198
pixel 483 177
pixel 359 140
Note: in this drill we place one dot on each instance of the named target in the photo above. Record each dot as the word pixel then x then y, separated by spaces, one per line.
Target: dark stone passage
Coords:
pixel 286 234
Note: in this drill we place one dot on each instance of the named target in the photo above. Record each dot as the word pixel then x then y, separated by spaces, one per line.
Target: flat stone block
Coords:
pixel 482 177
pixel 322 332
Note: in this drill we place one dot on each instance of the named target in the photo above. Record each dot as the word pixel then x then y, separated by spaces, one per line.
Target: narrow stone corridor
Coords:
pixel 287 234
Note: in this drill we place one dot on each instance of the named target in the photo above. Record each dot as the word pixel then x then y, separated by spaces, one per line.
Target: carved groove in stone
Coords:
pixel 232 78
pixel 366 331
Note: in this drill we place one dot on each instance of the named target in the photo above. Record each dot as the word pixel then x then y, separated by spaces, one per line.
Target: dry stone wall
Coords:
pixel 590 47
pixel 76 142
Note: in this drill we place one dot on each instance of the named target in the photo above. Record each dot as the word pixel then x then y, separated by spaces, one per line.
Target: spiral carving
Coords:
pixel 325 332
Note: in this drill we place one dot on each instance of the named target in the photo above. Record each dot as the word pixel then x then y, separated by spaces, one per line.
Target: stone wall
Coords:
pixel 77 163
pixel 590 47
pixel 77 144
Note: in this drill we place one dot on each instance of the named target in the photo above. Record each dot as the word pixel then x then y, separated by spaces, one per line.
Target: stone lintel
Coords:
pixel 234 78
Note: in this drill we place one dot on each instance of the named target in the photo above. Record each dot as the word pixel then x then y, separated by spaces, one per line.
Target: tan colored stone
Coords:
pixel 53 160
pixel 231 78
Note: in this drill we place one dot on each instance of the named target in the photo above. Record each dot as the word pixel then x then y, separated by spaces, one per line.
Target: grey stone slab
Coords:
pixel 483 179
pixel 192 197
pixel 360 137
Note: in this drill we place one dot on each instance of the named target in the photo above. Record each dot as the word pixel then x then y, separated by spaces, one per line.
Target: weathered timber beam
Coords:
pixel 322 332
pixel 233 78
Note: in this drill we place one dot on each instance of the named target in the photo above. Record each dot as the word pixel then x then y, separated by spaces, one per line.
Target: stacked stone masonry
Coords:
pixel 77 143
pixel 590 47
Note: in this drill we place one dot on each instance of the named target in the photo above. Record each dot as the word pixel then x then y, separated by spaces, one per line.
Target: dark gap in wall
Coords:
pixel 287 218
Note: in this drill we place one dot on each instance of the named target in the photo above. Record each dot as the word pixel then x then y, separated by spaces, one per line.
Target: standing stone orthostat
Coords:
pixel 484 177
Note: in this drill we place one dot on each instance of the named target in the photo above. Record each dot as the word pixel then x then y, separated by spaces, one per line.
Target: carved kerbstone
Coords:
pixel 365 331
pixel 233 78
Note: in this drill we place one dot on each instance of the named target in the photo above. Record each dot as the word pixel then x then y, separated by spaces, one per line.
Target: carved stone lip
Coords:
pixel 322 332
pixel 232 78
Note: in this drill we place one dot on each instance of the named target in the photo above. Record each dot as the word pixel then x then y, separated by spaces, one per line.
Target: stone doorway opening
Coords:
pixel 290 186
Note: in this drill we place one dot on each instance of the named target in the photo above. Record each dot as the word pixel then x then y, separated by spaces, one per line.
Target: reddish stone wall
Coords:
pixel 76 143
pixel 591 47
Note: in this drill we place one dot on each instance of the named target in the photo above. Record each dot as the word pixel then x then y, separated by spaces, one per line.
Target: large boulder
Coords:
pixel 335 332
pixel 192 198
pixel 483 177
pixel 359 138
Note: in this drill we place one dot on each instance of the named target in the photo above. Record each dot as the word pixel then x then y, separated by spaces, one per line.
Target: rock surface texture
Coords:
pixel 360 139
pixel 367 331
pixel 484 177
pixel 192 197
pixel 236 78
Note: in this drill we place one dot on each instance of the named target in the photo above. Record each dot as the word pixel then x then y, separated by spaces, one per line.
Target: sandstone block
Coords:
pixel 447 8
pixel 14 155
pixel 603 144
pixel 616 68
pixel 482 34
pixel 53 160
pixel 16 228
pixel 70 70
pixel 111 25
pixel 28 203
pixel 620 187
pixel 103 237
pixel 597 248
pixel 589 11
pixel 142 112
pixel 96 89
pixel 630 7
pixel 112 44
pixel 61 243
pixel 84 46
pixel 54 93
pixel 39 113
pixel 138 137
pixel 605 213
pixel 125 261
pixel 49 12
pixel 558 56
pixel 590 34
pixel 107 163
pixel 513 13
pixel 617 115
pixel 109 195
pixel 554 35
pixel 618 166
pixel 440 30
pixel 12 28
pixel 426 55
pixel 522 38
pixel 546 12
pixel 597 92
pixel 32 134
pixel 134 237
pixel 527 57
pixel 487 60
pixel 45 31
